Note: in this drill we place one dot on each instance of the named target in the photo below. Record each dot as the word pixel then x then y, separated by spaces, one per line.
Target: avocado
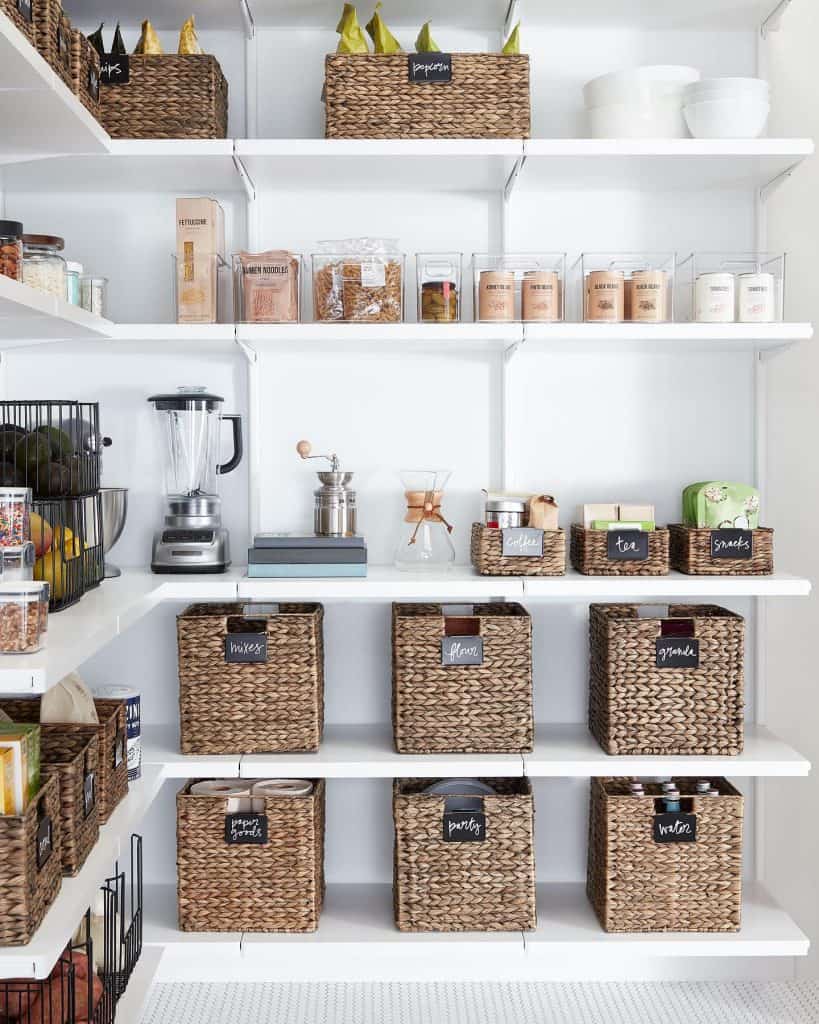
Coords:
pixel 10 435
pixel 32 450
pixel 53 480
pixel 61 443
pixel 10 475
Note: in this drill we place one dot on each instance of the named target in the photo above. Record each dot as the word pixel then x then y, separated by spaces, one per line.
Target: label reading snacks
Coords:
pixel 627 545
pixel 24 9
pixel 430 67
pixel 678 652
pixel 242 648
pixel 115 69
pixel 45 842
pixel 245 829
pixel 522 542
pixel 732 544
pixel 462 650
pixel 89 794
pixel 675 827
pixel 464 826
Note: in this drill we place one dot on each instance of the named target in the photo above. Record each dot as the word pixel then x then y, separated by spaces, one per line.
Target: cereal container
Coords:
pixel 22 617
pixel 15 516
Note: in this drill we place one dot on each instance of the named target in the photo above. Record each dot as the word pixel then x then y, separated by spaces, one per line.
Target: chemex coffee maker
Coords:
pixel 193 538
pixel 335 510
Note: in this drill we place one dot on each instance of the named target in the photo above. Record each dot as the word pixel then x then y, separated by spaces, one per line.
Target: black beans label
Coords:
pixel 522 542
pixel 115 69
pixel 24 10
pixel 245 829
pixel 732 544
pixel 245 648
pixel 627 545
pixel 430 67
pixel 462 650
pixel 89 793
pixel 464 826
pixel 678 652
pixel 675 827
pixel 45 842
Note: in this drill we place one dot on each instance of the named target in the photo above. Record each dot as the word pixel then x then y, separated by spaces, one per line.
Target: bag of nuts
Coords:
pixel 359 280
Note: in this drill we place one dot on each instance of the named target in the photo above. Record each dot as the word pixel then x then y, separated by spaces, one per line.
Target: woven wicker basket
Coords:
pixel 85 72
pixel 14 9
pixel 691 553
pixel 635 707
pixel 369 96
pixel 638 885
pixel 438 708
pixel 256 707
pixel 168 96
pixel 483 886
pixel 26 890
pixel 588 552
pixel 52 35
pixel 71 754
pixel 277 886
pixel 486 552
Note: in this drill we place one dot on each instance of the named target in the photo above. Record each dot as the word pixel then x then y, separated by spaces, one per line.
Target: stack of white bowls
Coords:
pixel 642 103
pixel 727 108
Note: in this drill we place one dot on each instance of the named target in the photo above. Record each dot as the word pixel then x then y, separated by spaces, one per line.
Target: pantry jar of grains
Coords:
pixel 43 266
pixel 11 249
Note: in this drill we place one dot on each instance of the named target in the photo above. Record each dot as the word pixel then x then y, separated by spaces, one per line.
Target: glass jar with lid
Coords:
pixel 11 249
pixel 43 266
pixel 22 617
pixel 73 273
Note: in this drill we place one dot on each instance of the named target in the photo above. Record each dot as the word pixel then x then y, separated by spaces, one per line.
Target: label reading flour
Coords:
pixel 462 650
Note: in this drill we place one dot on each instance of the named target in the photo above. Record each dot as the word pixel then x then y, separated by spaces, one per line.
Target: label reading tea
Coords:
pixel 627 545
pixel 24 10
pixel 89 794
pixel 675 827
pixel 732 544
pixel 115 69
pixel 241 648
pixel 464 826
pixel 462 650
pixel 430 67
pixel 674 652
pixel 45 842
pixel 522 542
pixel 245 829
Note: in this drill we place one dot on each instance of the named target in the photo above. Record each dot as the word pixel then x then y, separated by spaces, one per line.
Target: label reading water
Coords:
pixel 464 826
pixel 430 67
pixel 674 652
pixel 89 794
pixel 115 69
pixel 732 544
pixel 522 542
pixel 462 650
pixel 675 827
pixel 245 829
pixel 627 545
pixel 245 648
pixel 45 842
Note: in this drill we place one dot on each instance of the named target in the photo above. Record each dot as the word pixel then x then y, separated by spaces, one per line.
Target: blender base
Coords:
pixel 188 570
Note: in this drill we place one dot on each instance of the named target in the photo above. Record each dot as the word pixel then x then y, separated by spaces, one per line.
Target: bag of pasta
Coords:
pixel 359 280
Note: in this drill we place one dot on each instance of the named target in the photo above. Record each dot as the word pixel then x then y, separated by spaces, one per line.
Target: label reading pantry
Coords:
pixel 732 544
pixel 627 545
pixel 462 650
pixel 243 648
pixel 89 794
pixel 45 842
pixel 678 652
pixel 115 69
pixel 675 827
pixel 245 829
pixel 430 67
pixel 522 542
pixel 464 826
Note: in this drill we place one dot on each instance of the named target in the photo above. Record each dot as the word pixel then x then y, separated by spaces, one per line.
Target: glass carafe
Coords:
pixel 424 543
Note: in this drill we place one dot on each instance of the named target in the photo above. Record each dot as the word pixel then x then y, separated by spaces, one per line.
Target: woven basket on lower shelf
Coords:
pixel 589 553
pixel 485 885
pixel 21 15
pixel 369 96
pixel 168 96
pixel 638 884
pixel 52 34
pixel 274 705
pixel 85 72
pixel 443 707
pixel 271 886
pixel 700 552
pixel 71 754
pixel 486 551
pixel 639 704
pixel 28 884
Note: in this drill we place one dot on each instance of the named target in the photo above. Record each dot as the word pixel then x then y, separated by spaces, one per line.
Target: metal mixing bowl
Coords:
pixel 114 512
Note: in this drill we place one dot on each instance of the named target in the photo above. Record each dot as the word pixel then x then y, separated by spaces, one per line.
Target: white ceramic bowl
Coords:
pixel 729 88
pixel 726 119
pixel 648 121
pixel 637 85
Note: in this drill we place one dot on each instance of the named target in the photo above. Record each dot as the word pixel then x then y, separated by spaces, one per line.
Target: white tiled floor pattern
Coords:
pixel 669 1003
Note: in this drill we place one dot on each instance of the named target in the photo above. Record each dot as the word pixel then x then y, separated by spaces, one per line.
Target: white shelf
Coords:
pixel 663 339
pixel 134 999
pixel 404 337
pixel 28 316
pixel 576 586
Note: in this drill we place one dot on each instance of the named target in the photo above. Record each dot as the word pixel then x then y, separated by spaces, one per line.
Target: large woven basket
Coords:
pixel 277 886
pixel 369 96
pixel 26 889
pixel 168 96
pixel 486 551
pixel 449 708
pixel 254 707
pixel 588 552
pixel 636 707
pixel 52 34
pixel 636 884
pixel 71 755
pixel 21 15
pixel 691 553
pixel 111 782
pixel 85 72
pixel 482 886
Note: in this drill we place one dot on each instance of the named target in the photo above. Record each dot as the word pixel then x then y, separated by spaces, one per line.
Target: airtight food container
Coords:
pixel 23 617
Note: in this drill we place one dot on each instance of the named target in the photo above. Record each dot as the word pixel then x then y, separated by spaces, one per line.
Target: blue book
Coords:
pixel 305 571
pixel 295 540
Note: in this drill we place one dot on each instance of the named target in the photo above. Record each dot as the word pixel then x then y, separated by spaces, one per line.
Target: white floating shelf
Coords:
pixel 676 584
pixel 406 337
pixel 28 316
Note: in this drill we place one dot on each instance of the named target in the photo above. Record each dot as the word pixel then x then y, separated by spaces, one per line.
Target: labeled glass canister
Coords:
pixel 73 273
pixel 715 298
pixel 93 294
pixel 605 296
pixel 541 296
pixel 15 516
pixel 756 298
pixel 11 249
pixel 439 287
pixel 43 266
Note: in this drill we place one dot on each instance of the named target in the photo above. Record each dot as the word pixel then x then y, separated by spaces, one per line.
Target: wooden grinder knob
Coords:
pixel 304 448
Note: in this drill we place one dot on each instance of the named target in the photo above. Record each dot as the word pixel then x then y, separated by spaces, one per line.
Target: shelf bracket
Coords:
pixel 511 181
pixel 774 20
pixel 506 198
pixel 250 353
pixel 247 181
pixel 770 187
pixel 247 18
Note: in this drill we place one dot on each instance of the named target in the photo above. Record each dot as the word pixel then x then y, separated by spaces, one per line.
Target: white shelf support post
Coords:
pixel 774 20
pixel 253 434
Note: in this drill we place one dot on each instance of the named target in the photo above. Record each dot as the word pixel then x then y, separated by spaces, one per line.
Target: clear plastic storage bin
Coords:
pixel 266 287
pixel 625 287
pixel 526 287
pixel 359 286
pixel 726 288
pixel 200 295
pixel 439 276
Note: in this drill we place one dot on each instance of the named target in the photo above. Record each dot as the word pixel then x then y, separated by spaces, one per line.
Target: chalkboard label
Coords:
pixel 732 544
pixel 627 545
pixel 521 542
pixel 245 647
pixel 245 829
pixel 430 67
pixel 93 82
pixel 675 827
pixel 45 842
pixel 462 650
pixel 89 794
pixel 119 748
pixel 115 69
pixel 678 652
pixel 464 826
pixel 24 10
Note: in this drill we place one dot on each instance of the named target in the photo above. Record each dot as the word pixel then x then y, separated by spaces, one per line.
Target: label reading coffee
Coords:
pixel 430 67
pixel 522 542
pixel 462 650
pixel 732 544
pixel 243 648
pixel 673 652
pixel 245 829
pixel 464 826
pixel 45 842
pixel 627 545
pixel 675 827
pixel 115 69
pixel 89 794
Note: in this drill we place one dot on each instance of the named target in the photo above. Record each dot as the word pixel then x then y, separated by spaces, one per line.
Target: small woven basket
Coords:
pixel 254 707
pixel 22 16
pixel 71 754
pixel 168 96
pixel 85 72
pixel 447 708
pixel 691 554
pixel 636 884
pixel 482 886
pixel 588 552
pixel 486 550
pixel 26 889
pixel 277 886
pixel 636 707
pixel 52 34
pixel 369 96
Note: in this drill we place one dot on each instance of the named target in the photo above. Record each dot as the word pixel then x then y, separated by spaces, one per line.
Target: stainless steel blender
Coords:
pixel 193 538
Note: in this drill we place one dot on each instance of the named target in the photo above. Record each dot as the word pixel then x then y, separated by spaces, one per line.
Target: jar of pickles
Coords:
pixel 43 266
pixel 439 287
pixel 11 249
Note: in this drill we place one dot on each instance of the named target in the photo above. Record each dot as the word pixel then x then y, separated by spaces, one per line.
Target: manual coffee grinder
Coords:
pixel 335 509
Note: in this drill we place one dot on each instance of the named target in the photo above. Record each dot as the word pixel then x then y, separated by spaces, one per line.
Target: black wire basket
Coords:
pixel 68 544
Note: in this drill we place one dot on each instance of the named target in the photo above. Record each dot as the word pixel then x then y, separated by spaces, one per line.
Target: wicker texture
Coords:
pixel 10 9
pixel 168 96
pixel 588 552
pixel 637 708
pixel 486 552
pixel 52 35
pixel 274 887
pixel 70 754
pixel 464 887
pixel 85 72
pixel 368 96
pixel 112 778
pixel 462 708
pixel 251 708
pixel 691 553
pixel 638 885
pixel 26 892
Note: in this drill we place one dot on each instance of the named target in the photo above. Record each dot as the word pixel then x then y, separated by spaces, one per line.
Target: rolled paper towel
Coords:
pixel 237 794
pixel 282 787
pixel 69 701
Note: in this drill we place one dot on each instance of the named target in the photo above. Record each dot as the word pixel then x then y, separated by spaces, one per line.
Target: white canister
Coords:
pixel 756 299
pixel 133 725
pixel 714 299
